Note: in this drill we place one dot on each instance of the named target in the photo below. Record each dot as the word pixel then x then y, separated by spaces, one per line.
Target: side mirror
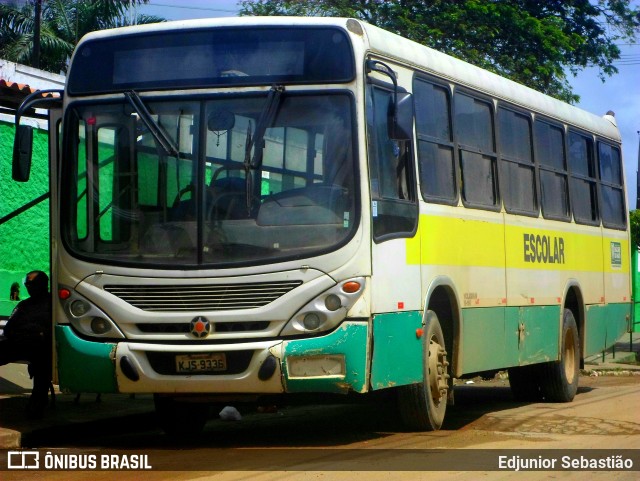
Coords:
pixel 22 152
pixel 400 117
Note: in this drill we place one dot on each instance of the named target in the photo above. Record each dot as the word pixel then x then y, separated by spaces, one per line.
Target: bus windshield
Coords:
pixel 209 182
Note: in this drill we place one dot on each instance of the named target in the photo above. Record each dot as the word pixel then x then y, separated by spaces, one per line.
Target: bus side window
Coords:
pixel 611 188
pixel 394 207
pixel 584 198
pixel 517 169
pixel 554 184
pixel 476 140
pixel 435 143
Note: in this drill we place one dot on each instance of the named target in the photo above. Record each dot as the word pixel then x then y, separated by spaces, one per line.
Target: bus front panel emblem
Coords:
pixel 200 327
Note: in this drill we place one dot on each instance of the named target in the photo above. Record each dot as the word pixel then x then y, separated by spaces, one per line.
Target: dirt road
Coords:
pixel 357 441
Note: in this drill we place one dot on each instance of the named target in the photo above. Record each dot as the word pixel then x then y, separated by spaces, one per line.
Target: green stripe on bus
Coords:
pixel 605 324
pixel 501 337
pixel 84 366
pixel 348 341
pixel 397 350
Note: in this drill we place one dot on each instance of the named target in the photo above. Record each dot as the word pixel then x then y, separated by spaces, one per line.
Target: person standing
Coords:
pixel 28 337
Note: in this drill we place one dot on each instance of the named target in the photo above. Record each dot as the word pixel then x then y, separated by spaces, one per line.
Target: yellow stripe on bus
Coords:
pixel 470 242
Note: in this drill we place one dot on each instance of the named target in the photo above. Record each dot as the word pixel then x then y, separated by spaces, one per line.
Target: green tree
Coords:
pixel 533 42
pixel 63 23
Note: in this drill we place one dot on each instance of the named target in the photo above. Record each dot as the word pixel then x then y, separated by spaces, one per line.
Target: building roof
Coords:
pixel 13 93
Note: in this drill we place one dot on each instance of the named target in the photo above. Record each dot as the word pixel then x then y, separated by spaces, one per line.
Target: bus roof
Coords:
pixel 402 50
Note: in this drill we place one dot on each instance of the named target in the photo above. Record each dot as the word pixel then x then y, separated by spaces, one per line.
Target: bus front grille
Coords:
pixel 202 297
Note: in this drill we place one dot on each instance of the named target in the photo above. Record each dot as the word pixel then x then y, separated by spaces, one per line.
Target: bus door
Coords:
pixel 55 129
pixel 396 290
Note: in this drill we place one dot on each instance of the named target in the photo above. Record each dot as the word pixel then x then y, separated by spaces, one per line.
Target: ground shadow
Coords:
pixel 363 419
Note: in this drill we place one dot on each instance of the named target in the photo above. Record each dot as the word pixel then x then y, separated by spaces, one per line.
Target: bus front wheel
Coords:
pixel 559 379
pixel 422 406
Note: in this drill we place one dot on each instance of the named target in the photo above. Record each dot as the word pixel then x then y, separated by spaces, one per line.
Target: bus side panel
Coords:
pixel 397 350
pixel 617 266
pixel 532 334
pixel 484 340
pixel 496 338
pixel 76 356
pixel 606 323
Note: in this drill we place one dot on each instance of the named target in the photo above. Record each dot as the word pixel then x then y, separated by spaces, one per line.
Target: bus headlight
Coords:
pixel 332 302
pixel 79 308
pixel 327 310
pixel 100 325
pixel 85 317
pixel 311 321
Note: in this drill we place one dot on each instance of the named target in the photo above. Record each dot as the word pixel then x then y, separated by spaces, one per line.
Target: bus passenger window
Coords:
pixel 554 184
pixel 517 169
pixel 584 199
pixel 611 188
pixel 435 143
pixel 475 137
pixel 394 207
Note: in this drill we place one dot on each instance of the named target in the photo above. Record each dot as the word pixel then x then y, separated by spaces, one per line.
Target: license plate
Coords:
pixel 209 362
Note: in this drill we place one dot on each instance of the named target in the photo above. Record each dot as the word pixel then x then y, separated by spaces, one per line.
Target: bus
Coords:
pixel 247 208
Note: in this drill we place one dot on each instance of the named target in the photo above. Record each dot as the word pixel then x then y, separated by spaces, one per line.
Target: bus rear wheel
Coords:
pixel 422 406
pixel 559 379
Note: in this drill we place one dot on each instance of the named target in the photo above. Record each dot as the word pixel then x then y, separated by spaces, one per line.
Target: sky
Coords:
pixel 620 93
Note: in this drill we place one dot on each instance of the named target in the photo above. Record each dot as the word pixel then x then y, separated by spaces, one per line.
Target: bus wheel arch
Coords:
pixel 559 379
pixel 423 405
pixel 574 302
pixel 442 300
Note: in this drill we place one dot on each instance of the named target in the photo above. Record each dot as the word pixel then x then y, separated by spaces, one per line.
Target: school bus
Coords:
pixel 254 207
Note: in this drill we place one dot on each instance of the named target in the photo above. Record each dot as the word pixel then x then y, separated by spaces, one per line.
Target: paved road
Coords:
pixel 338 441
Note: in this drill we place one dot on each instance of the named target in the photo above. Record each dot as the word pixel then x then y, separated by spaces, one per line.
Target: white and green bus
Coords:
pixel 250 207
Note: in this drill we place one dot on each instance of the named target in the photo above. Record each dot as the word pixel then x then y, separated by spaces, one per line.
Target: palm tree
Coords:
pixel 63 23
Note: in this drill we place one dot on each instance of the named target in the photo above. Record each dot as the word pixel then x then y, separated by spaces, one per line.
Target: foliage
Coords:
pixel 634 226
pixel 530 41
pixel 63 23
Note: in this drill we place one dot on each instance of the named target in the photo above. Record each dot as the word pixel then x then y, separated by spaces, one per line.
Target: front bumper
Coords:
pixel 334 363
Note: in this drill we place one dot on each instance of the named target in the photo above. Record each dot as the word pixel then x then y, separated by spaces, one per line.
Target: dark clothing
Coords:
pixel 30 319
pixel 27 337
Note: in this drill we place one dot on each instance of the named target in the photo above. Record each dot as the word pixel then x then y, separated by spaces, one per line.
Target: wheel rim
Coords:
pixel 569 356
pixel 438 377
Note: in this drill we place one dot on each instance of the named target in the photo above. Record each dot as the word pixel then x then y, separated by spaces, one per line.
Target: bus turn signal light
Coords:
pixel 351 287
pixel 64 294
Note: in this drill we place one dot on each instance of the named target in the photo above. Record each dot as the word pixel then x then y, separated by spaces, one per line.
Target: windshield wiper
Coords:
pixel 264 121
pixel 156 130
pixel 256 141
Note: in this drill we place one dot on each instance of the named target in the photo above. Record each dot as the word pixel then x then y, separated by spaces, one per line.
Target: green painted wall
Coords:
pixel 24 240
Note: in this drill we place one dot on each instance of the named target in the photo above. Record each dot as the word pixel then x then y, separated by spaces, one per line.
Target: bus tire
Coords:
pixel 524 382
pixel 422 406
pixel 179 418
pixel 559 379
